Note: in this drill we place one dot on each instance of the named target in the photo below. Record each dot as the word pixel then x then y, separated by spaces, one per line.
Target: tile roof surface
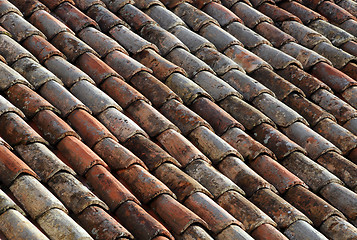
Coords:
pixel 178 119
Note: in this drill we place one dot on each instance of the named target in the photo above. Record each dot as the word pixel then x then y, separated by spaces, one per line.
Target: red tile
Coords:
pixel 151 120
pixel 108 188
pixel 222 14
pixel 249 15
pixel 152 155
pixel 350 69
pixel 140 223
pixel 276 36
pixel 81 157
pixel 304 13
pixel 145 186
pixel 48 24
pixel 103 16
pixel 52 127
pixel 276 13
pixel 334 13
pixel 162 68
pixel 216 217
pixel 135 17
pixel 17 131
pixel 53 4
pixel 11 166
pixel 179 182
pixel 167 207
pixel 267 232
pixel 74 18
pixel 157 92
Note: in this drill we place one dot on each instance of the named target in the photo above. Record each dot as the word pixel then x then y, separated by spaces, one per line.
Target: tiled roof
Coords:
pixel 197 119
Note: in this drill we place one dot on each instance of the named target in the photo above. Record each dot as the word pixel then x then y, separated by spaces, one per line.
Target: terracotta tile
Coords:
pixel 303 229
pixel 305 14
pixel 53 4
pixel 79 155
pixel 187 90
pixel 276 36
pixel 12 51
pixel 209 177
pixel 334 192
pixel 17 131
pixel 193 17
pixel 61 98
pixel 247 146
pixel 152 88
pixel 338 57
pixel 211 145
pixel 7 107
pixel 211 31
pixel 233 232
pixel 310 111
pixel 145 4
pixel 52 127
pixel 282 212
pixel 348 5
pixel 246 59
pixel 100 42
pixel 167 207
pixel 11 221
pixel 277 14
pixel 242 209
pixel 70 45
pixel 179 182
pixel 93 97
pixel 338 228
pixel 140 223
pixel 42 160
pixel 6 7
pixel 68 73
pixel 350 69
pixel 280 113
pixel 191 64
pixel 215 216
pixel 350 47
pixel 135 17
pixel 6 203
pixel 19 27
pixel 162 68
pixel 236 170
pixel 27 100
pixel 104 17
pixel 164 17
pixel 334 13
pixel 124 65
pixel 249 15
pixel 313 143
pixel 74 18
pixel 185 119
pixel 12 167
pixel 222 121
pixel 216 87
pixel 314 175
pixel 280 144
pixel 73 193
pixel 34 197
pixel 48 24
pixel 57 224
pixel 108 188
pixel 220 63
pixel 115 5
pixel 101 225
pixel 195 232
pixel 276 174
pixel 310 204
pixel 149 152
pixel 266 232
pixel 144 185
pixel 163 39
pixel 222 14
pixel 119 124
pixel 152 121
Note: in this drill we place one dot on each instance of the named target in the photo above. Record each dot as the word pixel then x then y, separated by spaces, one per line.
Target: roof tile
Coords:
pixel 145 4
pixel 6 7
pixel 135 17
pixel 105 18
pixel 233 232
pixel 275 36
pixel 277 14
pixel 116 5
pixel 85 4
pixel 334 13
pixel 336 227
pixel 302 228
pixel 338 57
pixel 164 17
pixel 53 4
pixel 108 188
pixel 195 232
pixel 348 5
pixel 304 13
pixel 249 15
pixel 350 26
pixel 6 203
pixel 348 95
pixel 7 107
pixel 266 232
pixel 221 14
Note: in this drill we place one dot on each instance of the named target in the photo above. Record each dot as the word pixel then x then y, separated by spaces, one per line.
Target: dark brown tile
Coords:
pixel 195 232
pixel 233 232
pixel 135 17
pixel 338 228
pixel 179 182
pixel 7 107
pixel 152 88
pixel 103 16
pixel 350 69
pixel 29 7
pixel 350 47
pixel 249 15
pixel 303 229
pixel 185 119
pixel 222 14
pixel 164 17
pixel 266 232
pixel 216 217
pixel 53 4
pixel 108 188
pixel 114 6
pixel 348 96
pixel 6 7
pixel 351 125
pixel 348 5
pixel 80 157
pixel 149 152
pixel 334 13
pixel 277 14
pixel 305 14
pixel 276 36
pixel 145 186
pixel 85 4
pixel 145 4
